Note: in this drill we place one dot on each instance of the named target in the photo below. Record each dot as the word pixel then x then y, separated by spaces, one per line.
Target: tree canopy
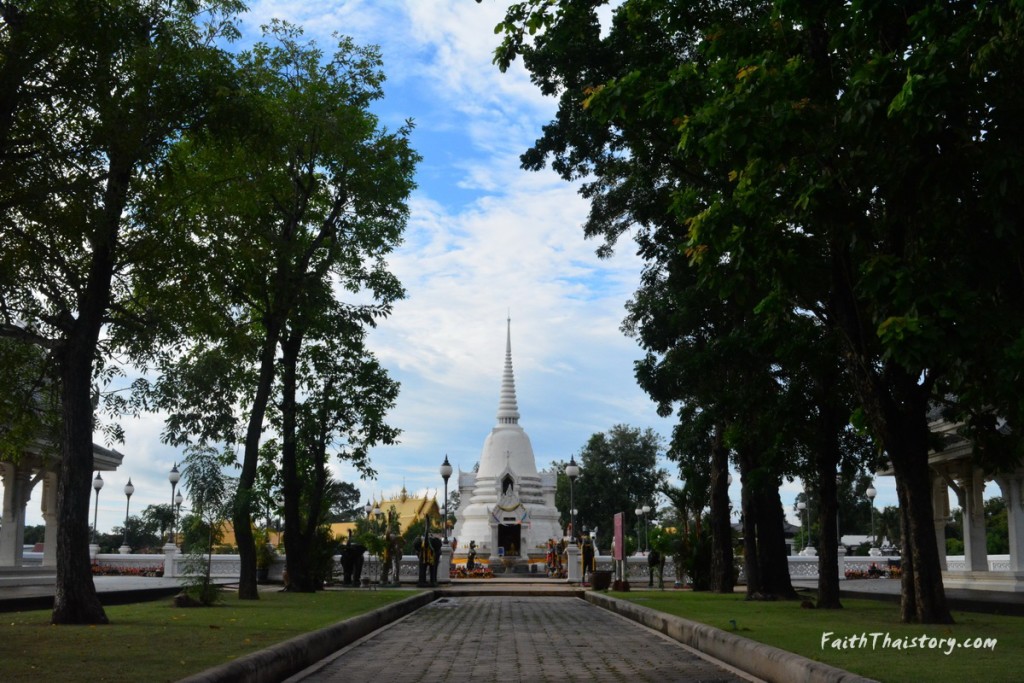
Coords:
pixel 192 211
pixel 848 163
pixel 94 95
pixel 619 472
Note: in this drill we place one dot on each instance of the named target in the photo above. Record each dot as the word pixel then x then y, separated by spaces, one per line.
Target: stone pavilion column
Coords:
pixel 1012 486
pixel 16 491
pixel 975 551
pixel 49 509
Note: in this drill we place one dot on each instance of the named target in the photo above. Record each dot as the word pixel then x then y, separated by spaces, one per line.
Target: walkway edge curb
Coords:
pixel 760 660
pixel 280 661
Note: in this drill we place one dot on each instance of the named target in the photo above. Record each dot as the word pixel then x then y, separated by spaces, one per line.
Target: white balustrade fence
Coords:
pixel 172 564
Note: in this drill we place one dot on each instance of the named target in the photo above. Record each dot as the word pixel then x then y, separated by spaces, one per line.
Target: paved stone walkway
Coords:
pixel 516 638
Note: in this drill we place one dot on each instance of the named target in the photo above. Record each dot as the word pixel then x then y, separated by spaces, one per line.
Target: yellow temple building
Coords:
pixel 409 510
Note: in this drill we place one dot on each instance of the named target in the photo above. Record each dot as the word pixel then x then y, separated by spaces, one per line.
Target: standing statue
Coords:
pixel 425 554
pixel 655 562
pixel 588 557
pixel 351 562
pixel 471 557
pixel 385 568
pixel 435 550
pixel 397 546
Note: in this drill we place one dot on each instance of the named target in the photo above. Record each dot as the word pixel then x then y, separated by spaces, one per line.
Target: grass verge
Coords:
pixel 787 626
pixel 153 641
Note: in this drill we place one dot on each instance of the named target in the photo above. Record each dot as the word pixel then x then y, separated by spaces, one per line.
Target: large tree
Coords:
pixel 619 472
pixel 346 395
pixel 859 159
pixel 303 203
pixel 94 93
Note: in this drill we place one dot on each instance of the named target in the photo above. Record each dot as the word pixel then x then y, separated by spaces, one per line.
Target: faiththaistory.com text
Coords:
pixel 883 641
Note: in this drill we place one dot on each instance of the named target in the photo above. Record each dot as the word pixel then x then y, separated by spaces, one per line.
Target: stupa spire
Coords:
pixel 508 409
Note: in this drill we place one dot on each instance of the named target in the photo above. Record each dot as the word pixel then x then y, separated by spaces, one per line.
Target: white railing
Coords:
pixel 228 566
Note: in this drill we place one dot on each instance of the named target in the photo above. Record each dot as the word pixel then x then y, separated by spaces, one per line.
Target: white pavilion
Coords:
pixel 507 507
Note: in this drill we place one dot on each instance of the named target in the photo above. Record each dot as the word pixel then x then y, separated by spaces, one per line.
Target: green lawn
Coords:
pixel 787 626
pixel 153 641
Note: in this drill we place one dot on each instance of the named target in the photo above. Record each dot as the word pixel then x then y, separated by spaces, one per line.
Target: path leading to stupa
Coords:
pixel 515 638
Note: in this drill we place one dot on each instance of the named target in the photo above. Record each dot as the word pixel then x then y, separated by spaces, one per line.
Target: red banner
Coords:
pixel 619 537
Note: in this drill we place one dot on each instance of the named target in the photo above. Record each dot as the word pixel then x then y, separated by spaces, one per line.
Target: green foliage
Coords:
pixel 997 529
pixel 322 552
pixel 195 581
pixel 618 473
pixel 93 97
pixel 29 406
pixel 264 549
pixel 211 494
pixel 668 542
pixel 827 200
pixel 292 206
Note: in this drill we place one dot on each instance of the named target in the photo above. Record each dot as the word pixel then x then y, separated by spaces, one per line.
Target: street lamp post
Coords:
pixel 801 506
pixel 647 535
pixel 446 471
pixel 177 511
pixel 174 477
pixel 871 493
pixel 97 484
pixel 639 543
pixel 572 470
pixel 128 491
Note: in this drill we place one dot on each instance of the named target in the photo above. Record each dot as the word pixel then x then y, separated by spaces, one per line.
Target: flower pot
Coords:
pixel 601 580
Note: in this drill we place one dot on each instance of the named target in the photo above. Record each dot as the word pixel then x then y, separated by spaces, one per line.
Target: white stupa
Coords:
pixel 507 507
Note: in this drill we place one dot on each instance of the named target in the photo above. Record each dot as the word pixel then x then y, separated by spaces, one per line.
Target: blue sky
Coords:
pixel 485 240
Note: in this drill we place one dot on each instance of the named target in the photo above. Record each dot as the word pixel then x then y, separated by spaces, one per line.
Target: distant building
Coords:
pixel 409 509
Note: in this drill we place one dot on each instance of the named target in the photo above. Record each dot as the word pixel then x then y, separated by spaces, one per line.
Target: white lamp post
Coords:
pixel 572 470
pixel 801 506
pixel 97 484
pixel 174 477
pixel 647 537
pixel 639 543
pixel 871 493
pixel 446 471
pixel 177 511
pixel 128 491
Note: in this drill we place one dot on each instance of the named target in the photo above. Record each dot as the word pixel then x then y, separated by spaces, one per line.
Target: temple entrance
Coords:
pixel 510 538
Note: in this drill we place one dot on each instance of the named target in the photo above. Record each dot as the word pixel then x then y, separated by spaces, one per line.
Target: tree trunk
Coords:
pixel 895 402
pixel 748 505
pixel 298 541
pixel 75 599
pixel 722 579
pixel 925 601
pixel 242 515
pixel 828 541
pixel 827 458
pixel 771 542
